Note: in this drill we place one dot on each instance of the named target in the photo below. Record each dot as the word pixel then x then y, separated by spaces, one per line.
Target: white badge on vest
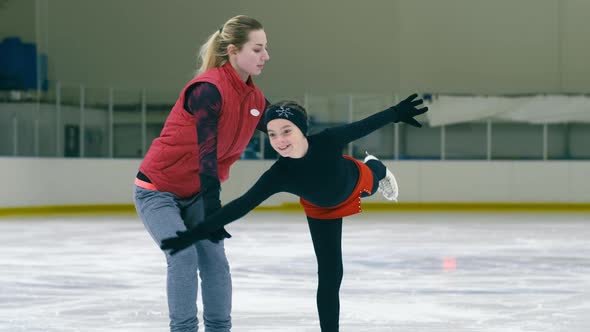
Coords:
pixel 255 112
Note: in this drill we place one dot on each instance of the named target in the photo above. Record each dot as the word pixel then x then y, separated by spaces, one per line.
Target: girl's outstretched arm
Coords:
pixel 405 111
pixel 266 186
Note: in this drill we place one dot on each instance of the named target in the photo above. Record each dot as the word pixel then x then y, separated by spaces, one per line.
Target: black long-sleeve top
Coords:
pixel 323 176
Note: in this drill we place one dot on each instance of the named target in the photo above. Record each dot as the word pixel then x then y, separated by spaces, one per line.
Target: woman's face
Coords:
pixel 286 138
pixel 250 60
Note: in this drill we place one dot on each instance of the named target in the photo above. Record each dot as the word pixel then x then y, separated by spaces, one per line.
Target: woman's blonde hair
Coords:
pixel 235 31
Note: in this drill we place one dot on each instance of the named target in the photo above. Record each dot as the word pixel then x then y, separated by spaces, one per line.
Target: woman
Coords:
pixel 330 186
pixel 178 182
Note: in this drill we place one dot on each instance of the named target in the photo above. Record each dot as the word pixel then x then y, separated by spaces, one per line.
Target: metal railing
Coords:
pixel 82 122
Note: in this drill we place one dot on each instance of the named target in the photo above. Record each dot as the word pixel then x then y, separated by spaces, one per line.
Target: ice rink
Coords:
pixel 500 272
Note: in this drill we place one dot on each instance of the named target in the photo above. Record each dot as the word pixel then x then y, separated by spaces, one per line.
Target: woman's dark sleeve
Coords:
pixel 203 100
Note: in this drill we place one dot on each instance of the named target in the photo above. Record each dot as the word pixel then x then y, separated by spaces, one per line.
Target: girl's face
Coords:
pixel 250 60
pixel 286 138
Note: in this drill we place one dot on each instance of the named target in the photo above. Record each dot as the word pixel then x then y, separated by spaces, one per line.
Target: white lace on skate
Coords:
pixel 388 185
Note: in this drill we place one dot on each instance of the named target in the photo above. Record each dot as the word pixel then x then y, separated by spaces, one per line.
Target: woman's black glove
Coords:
pixel 218 235
pixel 210 192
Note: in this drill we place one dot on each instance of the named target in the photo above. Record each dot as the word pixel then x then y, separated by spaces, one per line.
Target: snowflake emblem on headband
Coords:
pixel 281 111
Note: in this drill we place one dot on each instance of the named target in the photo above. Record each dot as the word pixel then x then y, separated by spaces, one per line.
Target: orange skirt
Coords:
pixel 352 205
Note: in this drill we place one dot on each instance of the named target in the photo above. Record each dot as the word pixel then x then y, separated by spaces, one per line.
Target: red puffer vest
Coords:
pixel 172 161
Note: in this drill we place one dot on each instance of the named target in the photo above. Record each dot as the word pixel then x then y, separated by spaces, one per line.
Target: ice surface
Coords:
pixel 402 272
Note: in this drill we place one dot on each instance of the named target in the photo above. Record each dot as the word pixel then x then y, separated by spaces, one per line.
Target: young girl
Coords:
pixel 330 186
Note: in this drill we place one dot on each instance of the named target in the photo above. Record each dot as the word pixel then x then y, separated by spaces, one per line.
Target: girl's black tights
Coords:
pixel 327 244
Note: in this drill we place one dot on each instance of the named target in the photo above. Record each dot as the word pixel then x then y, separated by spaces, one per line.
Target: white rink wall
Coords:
pixel 28 182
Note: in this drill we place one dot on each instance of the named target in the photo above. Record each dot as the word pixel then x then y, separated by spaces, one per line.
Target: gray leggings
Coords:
pixel 163 214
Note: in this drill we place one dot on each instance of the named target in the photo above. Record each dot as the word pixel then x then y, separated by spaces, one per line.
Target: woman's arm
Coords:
pixel 203 100
pixel 405 111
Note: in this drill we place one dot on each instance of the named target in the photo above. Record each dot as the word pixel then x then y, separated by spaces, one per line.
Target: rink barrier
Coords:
pixel 296 207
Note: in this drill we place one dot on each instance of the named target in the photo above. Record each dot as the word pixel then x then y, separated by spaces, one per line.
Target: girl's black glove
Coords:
pixel 407 109
pixel 183 240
